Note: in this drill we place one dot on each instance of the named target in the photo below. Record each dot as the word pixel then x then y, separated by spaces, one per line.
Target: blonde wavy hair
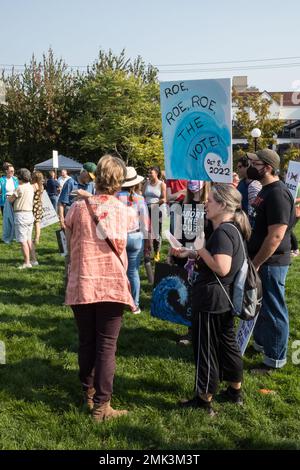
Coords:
pixel 110 174
pixel 231 199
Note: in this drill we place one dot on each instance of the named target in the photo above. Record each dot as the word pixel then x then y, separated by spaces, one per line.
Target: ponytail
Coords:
pixel 241 219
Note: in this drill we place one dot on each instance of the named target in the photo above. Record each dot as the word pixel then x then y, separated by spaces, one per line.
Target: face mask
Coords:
pixel 254 174
pixel 195 185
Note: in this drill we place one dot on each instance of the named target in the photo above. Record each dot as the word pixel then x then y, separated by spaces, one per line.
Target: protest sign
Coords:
pixel 170 297
pixel 196 123
pixel 171 301
pixel 292 179
pixel 49 214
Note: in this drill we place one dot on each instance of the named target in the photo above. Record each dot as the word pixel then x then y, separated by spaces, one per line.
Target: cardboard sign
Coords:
pixel 196 123
pixel 49 214
pixel 292 179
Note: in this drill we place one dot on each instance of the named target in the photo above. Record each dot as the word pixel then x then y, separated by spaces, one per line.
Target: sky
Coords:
pixel 162 32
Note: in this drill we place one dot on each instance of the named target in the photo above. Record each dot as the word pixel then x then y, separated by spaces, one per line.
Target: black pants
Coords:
pixel 294 242
pixel 98 327
pixel 216 353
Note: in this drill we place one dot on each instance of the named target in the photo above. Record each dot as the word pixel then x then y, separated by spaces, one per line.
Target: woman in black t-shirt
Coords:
pixel 216 353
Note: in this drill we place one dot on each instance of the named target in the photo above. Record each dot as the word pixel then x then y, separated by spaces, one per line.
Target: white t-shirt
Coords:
pixel 61 181
pixel 10 186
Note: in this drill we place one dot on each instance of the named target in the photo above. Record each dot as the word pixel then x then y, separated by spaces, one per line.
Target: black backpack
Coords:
pixel 247 288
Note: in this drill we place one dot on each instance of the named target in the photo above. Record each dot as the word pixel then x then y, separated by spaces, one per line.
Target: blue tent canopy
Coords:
pixel 63 162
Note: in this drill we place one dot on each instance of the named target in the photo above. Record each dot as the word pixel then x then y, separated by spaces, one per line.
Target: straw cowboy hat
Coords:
pixel 132 178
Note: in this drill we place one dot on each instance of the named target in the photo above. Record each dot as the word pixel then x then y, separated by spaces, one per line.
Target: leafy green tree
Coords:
pixel 37 114
pixel 243 124
pixel 292 153
pixel 118 111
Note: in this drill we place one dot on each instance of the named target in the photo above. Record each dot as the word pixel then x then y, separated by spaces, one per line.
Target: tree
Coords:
pixel 292 153
pixel 118 111
pixel 37 114
pixel 261 108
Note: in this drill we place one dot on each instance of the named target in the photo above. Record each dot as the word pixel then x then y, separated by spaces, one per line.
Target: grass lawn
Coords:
pixel 40 394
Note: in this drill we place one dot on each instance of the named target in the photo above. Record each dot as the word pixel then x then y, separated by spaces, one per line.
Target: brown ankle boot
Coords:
pixel 88 398
pixel 105 411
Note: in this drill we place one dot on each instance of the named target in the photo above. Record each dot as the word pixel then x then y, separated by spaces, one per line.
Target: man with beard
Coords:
pixel 270 247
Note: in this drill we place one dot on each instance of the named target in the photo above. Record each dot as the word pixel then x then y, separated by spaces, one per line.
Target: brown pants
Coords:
pixel 98 326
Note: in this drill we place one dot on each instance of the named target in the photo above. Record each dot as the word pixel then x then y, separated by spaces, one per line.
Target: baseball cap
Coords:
pixel 90 167
pixel 270 157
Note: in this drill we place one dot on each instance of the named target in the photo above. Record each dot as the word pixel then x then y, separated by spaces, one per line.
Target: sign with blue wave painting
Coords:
pixel 171 294
pixel 196 123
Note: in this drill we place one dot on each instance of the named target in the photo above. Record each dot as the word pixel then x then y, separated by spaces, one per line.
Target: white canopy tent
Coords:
pixel 63 162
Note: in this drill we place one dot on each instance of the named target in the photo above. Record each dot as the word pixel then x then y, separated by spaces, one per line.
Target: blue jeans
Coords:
pixel 134 250
pixel 54 200
pixel 271 331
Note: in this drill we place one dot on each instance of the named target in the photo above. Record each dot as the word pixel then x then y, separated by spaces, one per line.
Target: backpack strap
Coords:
pixel 241 239
pixel 245 258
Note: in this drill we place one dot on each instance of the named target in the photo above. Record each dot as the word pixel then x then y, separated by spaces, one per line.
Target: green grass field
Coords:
pixel 40 394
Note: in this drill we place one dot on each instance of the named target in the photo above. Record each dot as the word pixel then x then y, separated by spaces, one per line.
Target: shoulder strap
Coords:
pixel 245 257
pixel 102 231
pixel 241 238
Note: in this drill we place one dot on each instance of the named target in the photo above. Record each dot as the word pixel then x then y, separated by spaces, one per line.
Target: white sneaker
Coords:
pixel 137 311
pixel 34 263
pixel 25 266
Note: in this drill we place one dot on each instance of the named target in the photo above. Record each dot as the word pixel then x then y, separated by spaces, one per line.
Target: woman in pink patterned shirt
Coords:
pixel 98 288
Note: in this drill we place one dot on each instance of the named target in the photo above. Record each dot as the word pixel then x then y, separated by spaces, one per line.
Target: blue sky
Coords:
pixel 162 32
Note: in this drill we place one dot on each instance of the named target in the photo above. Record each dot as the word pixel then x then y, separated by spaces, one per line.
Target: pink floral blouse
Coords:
pixel 95 272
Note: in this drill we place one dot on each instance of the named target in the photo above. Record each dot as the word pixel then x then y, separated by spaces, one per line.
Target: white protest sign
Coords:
pixel 196 124
pixel 244 333
pixel 55 158
pixel 292 179
pixel 49 214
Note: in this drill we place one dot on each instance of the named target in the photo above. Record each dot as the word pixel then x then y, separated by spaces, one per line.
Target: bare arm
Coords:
pixel 60 210
pixel 220 264
pixel 163 195
pixel 172 197
pixel 270 244
pixel 12 198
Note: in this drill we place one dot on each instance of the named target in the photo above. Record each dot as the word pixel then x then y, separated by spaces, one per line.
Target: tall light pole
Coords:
pixel 255 133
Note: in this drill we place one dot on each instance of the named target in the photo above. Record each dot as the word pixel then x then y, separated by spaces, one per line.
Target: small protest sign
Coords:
pixel 170 296
pixel 49 215
pixel 196 123
pixel 292 179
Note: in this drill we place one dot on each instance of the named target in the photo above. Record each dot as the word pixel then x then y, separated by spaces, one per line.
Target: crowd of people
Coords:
pixel 112 217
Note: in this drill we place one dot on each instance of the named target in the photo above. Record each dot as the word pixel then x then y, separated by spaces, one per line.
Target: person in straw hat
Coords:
pixel 138 231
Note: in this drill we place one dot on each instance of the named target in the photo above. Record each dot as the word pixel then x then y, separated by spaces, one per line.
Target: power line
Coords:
pixel 228 69
pixel 226 62
pixel 267 59
pixel 200 70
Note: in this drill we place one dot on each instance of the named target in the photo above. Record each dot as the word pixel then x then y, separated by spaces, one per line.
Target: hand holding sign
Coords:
pixel 199 242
